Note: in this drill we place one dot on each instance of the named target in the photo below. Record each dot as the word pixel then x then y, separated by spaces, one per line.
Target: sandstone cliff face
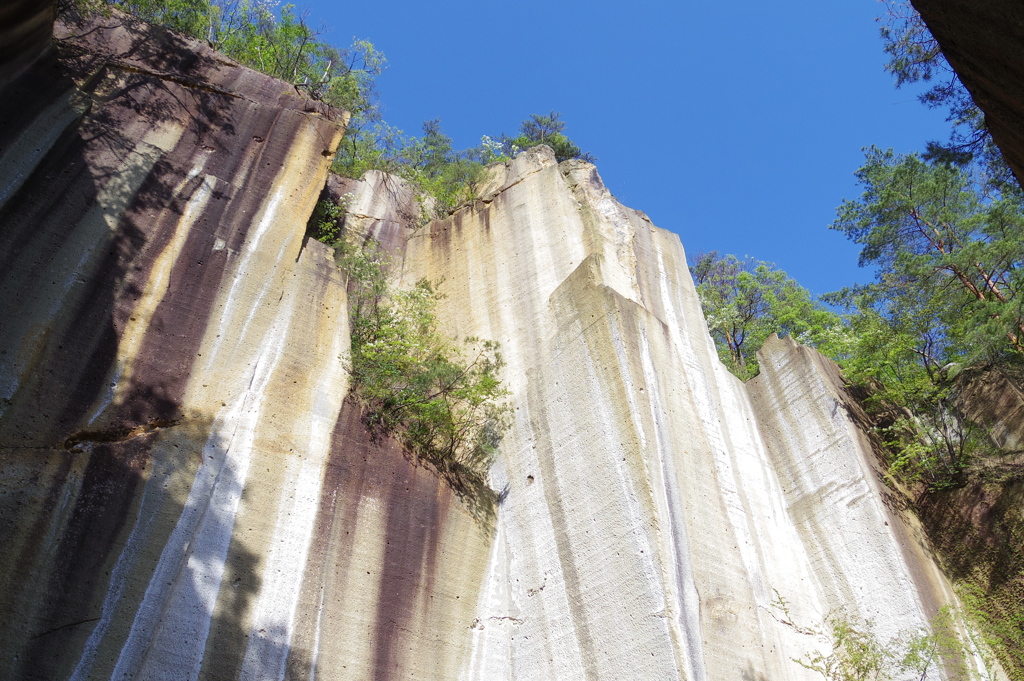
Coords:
pixel 655 504
pixel 185 493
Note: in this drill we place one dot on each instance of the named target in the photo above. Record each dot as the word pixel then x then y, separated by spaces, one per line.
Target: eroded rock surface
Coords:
pixel 655 503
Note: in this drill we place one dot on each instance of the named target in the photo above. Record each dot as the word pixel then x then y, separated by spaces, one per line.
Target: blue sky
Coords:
pixel 737 125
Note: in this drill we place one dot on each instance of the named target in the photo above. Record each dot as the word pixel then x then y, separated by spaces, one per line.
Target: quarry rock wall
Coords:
pixel 186 491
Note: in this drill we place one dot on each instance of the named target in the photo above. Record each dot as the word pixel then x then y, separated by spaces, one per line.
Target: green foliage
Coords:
pixel 428 162
pixel 447 175
pixel 544 129
pixel 948 252
pixel 856 653
pixel 998 607
pixel 978 533
pixel 435 167
pixel 442 398
pixel 745 301
pixel 940 240
pixel 325 224
pixel 280 44
pixel 191 17
pixel 377 146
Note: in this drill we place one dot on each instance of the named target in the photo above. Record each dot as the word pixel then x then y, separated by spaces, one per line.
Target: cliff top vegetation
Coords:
pixel 279 41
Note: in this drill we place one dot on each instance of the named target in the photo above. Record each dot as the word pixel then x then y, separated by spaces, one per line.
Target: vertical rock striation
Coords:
pixel 657 508
pixel 184 492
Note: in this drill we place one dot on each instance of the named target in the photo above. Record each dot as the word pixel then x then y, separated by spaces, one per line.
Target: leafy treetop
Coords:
pixel 745 301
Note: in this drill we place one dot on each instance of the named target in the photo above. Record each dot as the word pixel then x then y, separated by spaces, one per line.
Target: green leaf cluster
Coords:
pixel 429 162
pixel 856 653
pixel 548 129
pixel 443 398
pixel 745 301
pixel 948 252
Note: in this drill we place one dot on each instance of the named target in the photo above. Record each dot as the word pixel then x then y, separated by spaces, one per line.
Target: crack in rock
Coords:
pixel 84 440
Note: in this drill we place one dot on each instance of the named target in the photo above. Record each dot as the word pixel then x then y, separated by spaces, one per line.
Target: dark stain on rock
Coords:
pixel 132 80
pixel 77 579
pixel 415 505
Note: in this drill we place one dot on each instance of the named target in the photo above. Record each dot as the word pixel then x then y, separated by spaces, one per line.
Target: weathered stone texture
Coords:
pixel 656 506
pixel 993 398
pixel 184 494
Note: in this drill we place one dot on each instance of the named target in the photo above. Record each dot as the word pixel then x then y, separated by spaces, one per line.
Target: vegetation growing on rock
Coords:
pixel 280 43
pixel 441 397
pixel 853 650
pixel 745 301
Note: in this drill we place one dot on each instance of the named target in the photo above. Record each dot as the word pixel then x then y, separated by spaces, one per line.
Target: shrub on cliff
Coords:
pixel 549 130
pixel 432 164
pixel 853 651
pixel 442 398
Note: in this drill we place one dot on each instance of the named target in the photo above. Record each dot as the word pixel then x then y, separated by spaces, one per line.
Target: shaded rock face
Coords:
pixel 25 29
pixel 978 532
pixel 992 397
pixel 981 39
pixel 186 492
pixel 978 529
pixel 181 494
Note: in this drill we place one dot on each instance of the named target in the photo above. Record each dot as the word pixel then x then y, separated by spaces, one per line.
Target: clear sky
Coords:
pixel 736 124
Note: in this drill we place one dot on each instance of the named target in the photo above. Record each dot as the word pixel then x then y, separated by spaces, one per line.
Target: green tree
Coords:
pixel 944 246
pixel 745 301
pixel 948 255
pixel 545 129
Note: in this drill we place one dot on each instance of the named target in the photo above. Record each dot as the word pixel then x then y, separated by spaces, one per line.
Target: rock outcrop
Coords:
pixel 981 39
pixel 186 493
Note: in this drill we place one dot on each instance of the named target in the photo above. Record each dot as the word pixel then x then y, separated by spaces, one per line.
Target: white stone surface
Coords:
pixel 656 512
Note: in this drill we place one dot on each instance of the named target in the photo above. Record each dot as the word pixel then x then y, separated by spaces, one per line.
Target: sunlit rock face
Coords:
pixel 186 493
pixel 657 508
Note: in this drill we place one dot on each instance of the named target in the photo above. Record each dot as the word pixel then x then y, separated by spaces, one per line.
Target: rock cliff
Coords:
pixel 981 40
pixel 186 493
